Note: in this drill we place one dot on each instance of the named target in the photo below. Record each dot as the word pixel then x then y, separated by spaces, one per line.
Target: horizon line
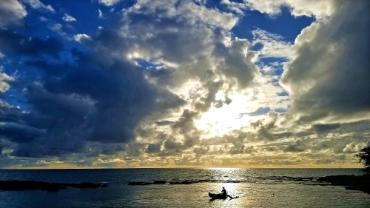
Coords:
pixel 125 168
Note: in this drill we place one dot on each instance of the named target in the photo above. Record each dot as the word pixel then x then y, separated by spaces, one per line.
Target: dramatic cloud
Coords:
pixel 329 78
pixel 183 83
pixel 97 98
pixel 71 111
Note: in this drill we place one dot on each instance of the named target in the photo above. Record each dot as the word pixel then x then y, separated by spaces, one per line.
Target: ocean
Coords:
pixel 185 188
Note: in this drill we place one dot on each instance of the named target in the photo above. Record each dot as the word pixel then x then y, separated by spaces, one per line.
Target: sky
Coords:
pixel 183 83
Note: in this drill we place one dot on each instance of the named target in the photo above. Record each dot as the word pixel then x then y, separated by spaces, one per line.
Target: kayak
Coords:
pixel 217 196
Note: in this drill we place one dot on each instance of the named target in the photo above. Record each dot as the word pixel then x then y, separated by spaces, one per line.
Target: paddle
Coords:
pixel 232 197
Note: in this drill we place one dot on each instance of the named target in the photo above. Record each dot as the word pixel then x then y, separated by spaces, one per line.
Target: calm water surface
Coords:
pixel 186 188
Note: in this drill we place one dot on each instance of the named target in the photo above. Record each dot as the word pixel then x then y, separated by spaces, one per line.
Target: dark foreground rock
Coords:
pixel 361 183
pixel 15 185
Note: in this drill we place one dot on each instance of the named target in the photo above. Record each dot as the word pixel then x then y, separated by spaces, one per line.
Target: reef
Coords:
pixel 17 185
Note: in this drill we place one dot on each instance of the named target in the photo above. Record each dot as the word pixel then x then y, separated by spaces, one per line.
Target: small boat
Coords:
pixel 217 196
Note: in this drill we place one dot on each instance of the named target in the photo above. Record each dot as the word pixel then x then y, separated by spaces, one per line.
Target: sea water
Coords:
pixel 185 188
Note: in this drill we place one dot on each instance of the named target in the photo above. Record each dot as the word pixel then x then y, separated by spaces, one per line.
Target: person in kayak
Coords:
pixel 222 195
pixel 224 192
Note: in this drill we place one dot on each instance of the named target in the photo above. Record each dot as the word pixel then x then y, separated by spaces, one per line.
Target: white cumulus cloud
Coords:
pixel 109 2
pixel 68 18
pixel 81 37
pixel 11 12
pixel 37 4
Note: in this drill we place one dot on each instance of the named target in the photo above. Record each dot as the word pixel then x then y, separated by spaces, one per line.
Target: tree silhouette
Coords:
pixel 364 156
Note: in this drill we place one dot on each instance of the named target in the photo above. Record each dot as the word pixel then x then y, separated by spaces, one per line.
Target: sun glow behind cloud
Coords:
pixel 219 120
pixel 232 110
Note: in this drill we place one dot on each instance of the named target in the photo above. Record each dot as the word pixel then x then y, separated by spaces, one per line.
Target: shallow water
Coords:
pixel 186 188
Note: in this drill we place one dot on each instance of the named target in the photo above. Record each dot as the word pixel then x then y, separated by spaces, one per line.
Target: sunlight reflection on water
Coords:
pixel 233 189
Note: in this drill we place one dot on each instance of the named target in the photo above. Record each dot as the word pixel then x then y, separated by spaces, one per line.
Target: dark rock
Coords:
pixel 159 182
pixel 138 183
pixel 14 185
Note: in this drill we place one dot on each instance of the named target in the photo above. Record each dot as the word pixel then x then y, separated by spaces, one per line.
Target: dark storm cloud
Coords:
pixel 53 70
pixel 9 114
pixel 330 75
pixel 19 133
pixel 91 102
pixel 12 43
pixel 96 98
